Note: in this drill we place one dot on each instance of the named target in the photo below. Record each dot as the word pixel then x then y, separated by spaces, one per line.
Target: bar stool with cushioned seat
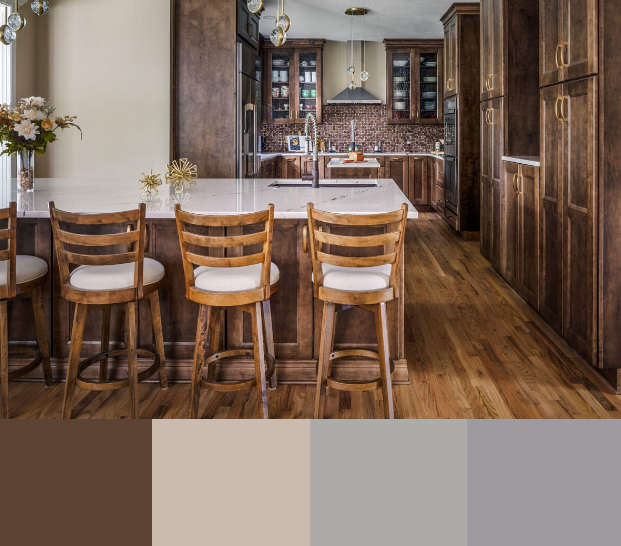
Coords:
pixel 234 280
pixel 122 277
pixel 368 282
pixel 20 276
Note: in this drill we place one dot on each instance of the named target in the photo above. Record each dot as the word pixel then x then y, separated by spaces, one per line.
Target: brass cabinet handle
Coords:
pixel 304 237
pixel 489 119
pixel 558 99
pixel 518 189
pixel 489 83
pixel 514 184
pixel 249 30
pixel 558 65
pixel 564 63
pixel 563 117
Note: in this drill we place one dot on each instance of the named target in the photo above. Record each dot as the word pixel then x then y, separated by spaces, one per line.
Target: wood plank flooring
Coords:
pixel 474 350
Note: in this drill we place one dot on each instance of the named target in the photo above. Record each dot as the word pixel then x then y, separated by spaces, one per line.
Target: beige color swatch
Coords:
pixel 231 482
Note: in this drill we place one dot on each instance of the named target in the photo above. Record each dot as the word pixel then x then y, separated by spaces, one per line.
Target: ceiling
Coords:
pixel 418 19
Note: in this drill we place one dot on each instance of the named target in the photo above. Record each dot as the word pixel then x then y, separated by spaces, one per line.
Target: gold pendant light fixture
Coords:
pixel 283 21
pixel 254 6
pixel 364 75
pixel 277 35
pixel 16 21
pixel 351 69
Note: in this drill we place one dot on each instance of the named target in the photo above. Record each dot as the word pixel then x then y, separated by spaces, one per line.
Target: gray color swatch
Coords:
pixel 542 483
pixel 381 482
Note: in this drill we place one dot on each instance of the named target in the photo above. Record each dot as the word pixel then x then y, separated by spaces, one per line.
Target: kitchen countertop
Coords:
pixel 372 154
pixel 337 163
pixel 208 196
pixel 530 160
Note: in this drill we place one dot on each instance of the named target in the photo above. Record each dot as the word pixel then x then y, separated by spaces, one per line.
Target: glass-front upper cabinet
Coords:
pixel 414 87
pixel 281 71
pixel 292 82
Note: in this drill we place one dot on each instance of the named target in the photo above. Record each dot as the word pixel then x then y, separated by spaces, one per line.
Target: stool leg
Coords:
pixel 258 342
pixel 74 357
pixel 132 357
pixel 39 316
pixel 156 319
pixel 4 361
pixel 105 341
pixel 200 351
pixel 381 327
pixel 214 340
pixel 269 337
pixel 328 324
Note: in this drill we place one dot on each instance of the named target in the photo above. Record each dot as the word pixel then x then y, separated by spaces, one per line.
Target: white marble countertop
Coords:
pixel 530 160
pixel 366 164
pixel 208 196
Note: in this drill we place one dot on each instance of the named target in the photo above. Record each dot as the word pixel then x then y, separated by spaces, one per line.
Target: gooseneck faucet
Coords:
pixel 315 172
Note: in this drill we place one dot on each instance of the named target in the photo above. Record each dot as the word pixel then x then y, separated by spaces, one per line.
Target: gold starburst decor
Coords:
pixel 181 175
pixel 150 182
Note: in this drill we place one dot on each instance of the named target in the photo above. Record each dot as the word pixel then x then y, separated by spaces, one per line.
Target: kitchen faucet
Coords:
pixel 315 173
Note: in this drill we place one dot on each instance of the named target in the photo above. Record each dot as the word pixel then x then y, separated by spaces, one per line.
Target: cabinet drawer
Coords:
pixel 451 219
pixel 440 198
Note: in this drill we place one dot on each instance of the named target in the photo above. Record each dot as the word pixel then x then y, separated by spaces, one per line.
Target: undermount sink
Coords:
pixel 327 183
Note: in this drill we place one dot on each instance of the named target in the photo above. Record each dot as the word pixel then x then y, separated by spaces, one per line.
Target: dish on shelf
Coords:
pixel 400 93
pixel 400 105
pixel 400 64
pixel 430 65
pixel 429 105
pixel 399 79
pixel 429 95
pixel 430 79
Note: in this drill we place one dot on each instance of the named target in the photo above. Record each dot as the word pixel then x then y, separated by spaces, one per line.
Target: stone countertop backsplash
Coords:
pixel 371 126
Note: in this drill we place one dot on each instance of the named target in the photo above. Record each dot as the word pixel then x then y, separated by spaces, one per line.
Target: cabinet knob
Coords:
pixel 304 239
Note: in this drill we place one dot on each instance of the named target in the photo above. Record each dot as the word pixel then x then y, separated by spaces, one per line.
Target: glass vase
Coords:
pixel 25 170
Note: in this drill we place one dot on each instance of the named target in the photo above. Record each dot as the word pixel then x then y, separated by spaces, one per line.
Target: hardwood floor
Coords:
pixel 474 350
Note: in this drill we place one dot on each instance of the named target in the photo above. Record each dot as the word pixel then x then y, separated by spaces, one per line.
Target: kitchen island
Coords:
pixel 297 317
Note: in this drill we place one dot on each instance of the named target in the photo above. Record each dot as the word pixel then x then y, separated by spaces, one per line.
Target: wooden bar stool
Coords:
pixel 102 280
pixel 20 276
pixel 368 282
pixel 243 281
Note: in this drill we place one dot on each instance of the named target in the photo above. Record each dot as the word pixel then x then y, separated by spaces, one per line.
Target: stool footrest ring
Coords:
pixel 237 385
pixel 96 385
pixel 24 350
pixel 357 386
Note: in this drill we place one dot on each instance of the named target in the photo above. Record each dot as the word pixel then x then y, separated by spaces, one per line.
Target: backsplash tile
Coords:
pixel 371 126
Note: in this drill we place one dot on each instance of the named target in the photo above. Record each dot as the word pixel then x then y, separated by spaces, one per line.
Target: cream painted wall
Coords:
pixel 107 62
pixel 336 60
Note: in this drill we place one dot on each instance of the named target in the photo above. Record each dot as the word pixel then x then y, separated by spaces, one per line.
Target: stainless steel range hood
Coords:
pixel 358 95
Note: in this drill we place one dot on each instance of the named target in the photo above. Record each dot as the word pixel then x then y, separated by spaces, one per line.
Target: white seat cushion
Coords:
pixel 232 279
pixel 27 268
pixel 356 279
pixel 114 277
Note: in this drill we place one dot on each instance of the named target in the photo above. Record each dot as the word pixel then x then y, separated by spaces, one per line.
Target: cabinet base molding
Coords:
pixel 296 372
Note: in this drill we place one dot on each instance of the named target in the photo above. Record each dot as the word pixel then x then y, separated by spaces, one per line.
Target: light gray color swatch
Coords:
pixel 381 482
pixel 542 483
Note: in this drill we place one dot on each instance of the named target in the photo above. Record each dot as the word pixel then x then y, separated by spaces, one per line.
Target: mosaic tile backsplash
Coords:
pixel 371 126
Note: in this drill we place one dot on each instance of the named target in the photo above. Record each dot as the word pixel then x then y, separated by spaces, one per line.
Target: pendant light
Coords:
pixel 7 34
pixel 351 69
pixel 40 7
pixel 283 21
pixel 277 35
pixel 16 20
pixel 364 75
pixel 254 6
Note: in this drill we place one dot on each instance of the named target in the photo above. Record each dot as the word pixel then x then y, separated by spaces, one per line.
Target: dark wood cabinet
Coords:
pixel 268 168
pixel 492 50
pixel 414 89
pixel 248 24
pixel 569 40
pixel 293 81
pixel 418 181
pixel 307 165
pixel 397 168
pixel 289 167
pixel 568 273
pixel 451 59
pixel 492 186
pixel 521 233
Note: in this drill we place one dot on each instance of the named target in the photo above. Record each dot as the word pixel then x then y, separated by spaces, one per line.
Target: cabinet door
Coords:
pixel 492 52
pixel 397 168
pixel 579 204
pixel 281 86
pixel 450 57
pixel 486 44
pixel 433 188
pixel 418 181
pixel 579 52
pixel 307 165
pixel 528 236
pixel 291 167
pixel 550 209
pixel 428 93
pixel 550 37
pixel 511 173
pixel 485 236
pixel 400 99
pixel 308 63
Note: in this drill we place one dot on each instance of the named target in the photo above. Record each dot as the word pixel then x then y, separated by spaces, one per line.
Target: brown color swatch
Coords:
pixel 75 482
